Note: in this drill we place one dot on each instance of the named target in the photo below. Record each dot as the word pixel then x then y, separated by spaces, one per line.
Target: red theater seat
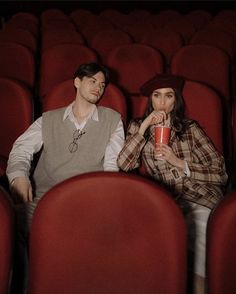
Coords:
pixel 20 36
pixel 132 66
pixel 17 62
pixel 106 40
pixel 16 116
pixel 206 64
pixel 6 241
pixel 60 36
pixel 107 232
pixel 59 63
pixel 221 243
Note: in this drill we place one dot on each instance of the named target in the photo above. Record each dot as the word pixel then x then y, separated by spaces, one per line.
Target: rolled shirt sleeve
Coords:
pixel 113 148
pixel 21 155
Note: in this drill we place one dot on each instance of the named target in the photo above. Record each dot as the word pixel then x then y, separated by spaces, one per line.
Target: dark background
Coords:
pixel 7 8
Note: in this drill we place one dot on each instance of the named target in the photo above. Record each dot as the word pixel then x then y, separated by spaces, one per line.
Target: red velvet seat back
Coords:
pixel 221 244
pixel 17 62
pixel 204 105
pixel 16 117
pixel 107 232
pixel 6 241
pixel 206 64
pixel 60 62
pixel 133 65
pixel 106 40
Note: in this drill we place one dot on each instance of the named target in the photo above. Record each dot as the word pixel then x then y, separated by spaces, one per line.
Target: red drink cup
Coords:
pixel 162 136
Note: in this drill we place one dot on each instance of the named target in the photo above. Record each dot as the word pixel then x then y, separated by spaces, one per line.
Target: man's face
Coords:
pixel 90 88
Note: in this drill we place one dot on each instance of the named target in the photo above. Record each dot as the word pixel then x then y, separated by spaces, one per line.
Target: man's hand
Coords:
pixel 21 190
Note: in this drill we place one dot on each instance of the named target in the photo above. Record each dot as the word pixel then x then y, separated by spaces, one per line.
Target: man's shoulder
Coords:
pixel 108 111
pixel 54 112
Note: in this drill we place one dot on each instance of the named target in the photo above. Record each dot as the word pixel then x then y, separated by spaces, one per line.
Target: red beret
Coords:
pixel 162 81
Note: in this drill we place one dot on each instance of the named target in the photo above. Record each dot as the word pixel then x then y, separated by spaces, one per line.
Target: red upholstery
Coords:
pixel 137 30
pixel 58 36
pixel 138 105
pixel 26 15
pixel 164 16
pixel 234 129
pixel 205 64
pixel 107 232
pixel 211 66
pixel 221 244
pixel 226 15
pixel 24 23
pixel 16 117
pixel 115 16
pixel 204 105
pixel 52 14
pixel 64 93
pixel 80 17
pixel 138 15
pixel 6 240
pixel 3 165
pixel 58 24
pixel 19 36
pixel 199 18
pixel 60 62
pixel 96 24
pixel 80 14
pixel 182 26
pixel 134 64
pixel 17 62
pixel 216 38
pixel 106 40
pixel 168 42
pixel 223 25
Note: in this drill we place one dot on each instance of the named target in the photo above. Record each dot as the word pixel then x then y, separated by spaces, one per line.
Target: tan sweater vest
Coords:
pixel 56 163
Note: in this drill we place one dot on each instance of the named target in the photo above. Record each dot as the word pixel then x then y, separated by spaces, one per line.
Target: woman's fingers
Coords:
pixel 158 116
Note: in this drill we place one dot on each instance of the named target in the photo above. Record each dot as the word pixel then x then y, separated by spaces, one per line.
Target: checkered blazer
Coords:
pixel 207 179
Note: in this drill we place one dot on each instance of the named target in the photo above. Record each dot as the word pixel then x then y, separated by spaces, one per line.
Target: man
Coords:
pixel 77 139
pixel 73 140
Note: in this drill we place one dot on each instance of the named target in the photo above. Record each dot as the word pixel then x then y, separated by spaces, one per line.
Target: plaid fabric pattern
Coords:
pixel 207 179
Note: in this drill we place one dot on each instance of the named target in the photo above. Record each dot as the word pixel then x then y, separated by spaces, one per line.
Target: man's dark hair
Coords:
pixel 90 69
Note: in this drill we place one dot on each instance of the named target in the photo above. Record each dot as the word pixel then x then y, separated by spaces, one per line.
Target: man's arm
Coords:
pixel 20 158
pixel 113 148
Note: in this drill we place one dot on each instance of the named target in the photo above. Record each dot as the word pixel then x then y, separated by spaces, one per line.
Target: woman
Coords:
pixel 191 168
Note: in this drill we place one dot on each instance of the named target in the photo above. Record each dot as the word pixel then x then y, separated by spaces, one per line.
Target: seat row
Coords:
pixel 114 47
pixel 131 65
pixel 113 242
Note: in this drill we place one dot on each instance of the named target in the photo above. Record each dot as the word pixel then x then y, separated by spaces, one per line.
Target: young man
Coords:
pixel 73 140
pixel 76 139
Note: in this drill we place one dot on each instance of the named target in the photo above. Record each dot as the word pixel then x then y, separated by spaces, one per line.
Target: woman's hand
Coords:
pixel 154 117
pixel 165 152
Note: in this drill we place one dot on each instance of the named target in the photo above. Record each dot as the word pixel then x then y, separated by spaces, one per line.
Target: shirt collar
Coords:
pixel 69 113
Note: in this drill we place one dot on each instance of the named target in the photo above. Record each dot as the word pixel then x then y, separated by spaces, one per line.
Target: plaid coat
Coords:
pixel 207 179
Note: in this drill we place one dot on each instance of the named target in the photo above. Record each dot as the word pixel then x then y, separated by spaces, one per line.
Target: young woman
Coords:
pixel 190 166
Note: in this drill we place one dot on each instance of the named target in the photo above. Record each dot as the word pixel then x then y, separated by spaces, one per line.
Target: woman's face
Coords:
pixel 163 99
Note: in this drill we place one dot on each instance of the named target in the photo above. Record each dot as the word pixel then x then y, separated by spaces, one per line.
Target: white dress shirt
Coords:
pixel 31 141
